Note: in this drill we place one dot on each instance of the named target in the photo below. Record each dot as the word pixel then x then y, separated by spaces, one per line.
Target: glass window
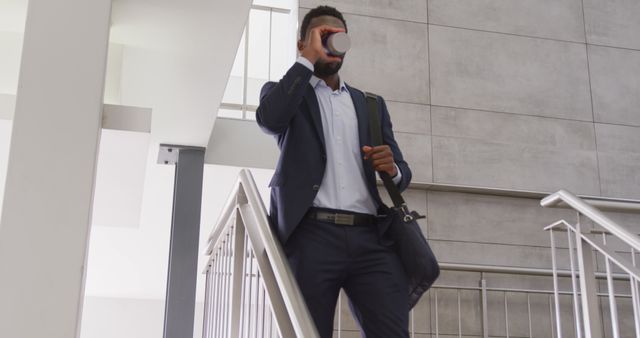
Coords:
pixel 235 85
pixel 230 113
pixel 268 47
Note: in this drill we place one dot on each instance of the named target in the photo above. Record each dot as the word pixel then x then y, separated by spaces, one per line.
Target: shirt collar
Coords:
pixel 316 81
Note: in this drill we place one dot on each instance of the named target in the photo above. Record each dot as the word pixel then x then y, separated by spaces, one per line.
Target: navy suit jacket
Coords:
pixel 289 110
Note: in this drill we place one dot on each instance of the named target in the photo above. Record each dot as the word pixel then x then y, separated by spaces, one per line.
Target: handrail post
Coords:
pixel 485 312
pixel 239 253
pixel 590 314
pixel 555 283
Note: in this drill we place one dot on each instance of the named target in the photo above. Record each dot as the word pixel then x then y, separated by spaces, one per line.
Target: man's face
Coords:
pixel 322 68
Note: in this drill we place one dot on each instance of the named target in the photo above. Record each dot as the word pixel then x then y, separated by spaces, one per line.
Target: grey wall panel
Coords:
pixel 629 221
pixel 517 305
pixel 513 166
pixel 411 10
pixel 422 315
pixel 620 174
pixel 613 23
pixel 506 73
pixel 416 150
pixel 514 151
pixel 470 310
pixel 389 58
pixel 619 160
pixel 448 304
pixel 497 254
pixel 410 118
pixel 615 81
pixel 615 138
pixel 543 324
pixel 555 19
pixel 625 314
pixel 490 219
pixel 513 129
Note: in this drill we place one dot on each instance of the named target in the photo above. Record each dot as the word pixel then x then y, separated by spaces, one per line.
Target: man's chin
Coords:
pixel 327 69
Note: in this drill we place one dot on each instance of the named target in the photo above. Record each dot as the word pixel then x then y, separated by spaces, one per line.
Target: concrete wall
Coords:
pixel 532 95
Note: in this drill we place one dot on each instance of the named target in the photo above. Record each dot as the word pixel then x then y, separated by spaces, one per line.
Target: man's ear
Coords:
pixel 300 45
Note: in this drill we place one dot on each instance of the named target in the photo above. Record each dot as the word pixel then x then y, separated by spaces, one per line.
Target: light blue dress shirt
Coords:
pixel 344 184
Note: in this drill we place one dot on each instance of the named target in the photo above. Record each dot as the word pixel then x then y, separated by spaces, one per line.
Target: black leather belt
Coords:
pixel 341 217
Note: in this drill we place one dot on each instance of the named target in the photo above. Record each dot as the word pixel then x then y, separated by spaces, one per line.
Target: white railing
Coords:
pixel 472 300
pixel 250 290
pixel 606 241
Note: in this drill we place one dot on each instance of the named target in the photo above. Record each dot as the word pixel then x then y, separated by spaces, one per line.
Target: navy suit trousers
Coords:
pixel 326 257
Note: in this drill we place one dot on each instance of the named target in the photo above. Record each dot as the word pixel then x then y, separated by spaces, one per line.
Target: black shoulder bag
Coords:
pixel 419 262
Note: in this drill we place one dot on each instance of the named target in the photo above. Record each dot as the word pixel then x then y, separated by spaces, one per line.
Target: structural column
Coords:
pixel 185 235
pixel 51 171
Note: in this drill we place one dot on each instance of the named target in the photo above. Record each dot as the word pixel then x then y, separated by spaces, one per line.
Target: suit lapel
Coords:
pixel 314 111
pixel 362 113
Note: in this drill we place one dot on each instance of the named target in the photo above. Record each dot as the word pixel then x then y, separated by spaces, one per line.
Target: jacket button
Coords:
pixel 316 187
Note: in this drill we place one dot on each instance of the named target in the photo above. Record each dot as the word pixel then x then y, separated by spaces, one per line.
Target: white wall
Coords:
pixel 127 267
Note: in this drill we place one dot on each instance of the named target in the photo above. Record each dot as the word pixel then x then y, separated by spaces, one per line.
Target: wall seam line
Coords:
pixel 593 114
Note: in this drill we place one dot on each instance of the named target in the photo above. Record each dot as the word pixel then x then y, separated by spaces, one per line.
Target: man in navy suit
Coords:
pixel 325 205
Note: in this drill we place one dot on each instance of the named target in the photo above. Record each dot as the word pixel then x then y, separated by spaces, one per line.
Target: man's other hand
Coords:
pixel 381 158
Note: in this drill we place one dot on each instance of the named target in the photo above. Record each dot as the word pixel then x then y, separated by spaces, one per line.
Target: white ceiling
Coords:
pixel 176 59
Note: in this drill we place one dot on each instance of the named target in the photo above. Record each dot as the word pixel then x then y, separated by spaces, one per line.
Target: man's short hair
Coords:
pixel 316 12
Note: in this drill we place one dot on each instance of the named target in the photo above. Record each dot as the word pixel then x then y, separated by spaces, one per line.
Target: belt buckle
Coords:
pixel 344 219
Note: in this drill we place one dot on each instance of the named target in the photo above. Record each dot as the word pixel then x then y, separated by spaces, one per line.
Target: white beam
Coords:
pixel 51 171
pixel 126 118
pixel 241 143
pixel 114 116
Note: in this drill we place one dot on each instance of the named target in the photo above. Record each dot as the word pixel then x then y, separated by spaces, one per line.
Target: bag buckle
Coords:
pixel 408 215
pixel 344 219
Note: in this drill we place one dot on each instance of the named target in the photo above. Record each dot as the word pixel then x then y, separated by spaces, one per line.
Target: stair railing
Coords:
pixel 593 236
pixel 250 289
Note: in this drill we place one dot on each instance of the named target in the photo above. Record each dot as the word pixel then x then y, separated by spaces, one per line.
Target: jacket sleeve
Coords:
pixel 389 139
pixel 279 101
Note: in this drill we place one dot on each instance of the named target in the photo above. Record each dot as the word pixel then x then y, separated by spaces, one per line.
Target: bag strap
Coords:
pixel 376 138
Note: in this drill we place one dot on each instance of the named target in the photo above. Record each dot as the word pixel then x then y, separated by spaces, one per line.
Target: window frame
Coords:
pixel 244 107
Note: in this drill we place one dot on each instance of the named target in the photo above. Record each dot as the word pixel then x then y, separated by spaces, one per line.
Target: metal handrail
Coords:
pixel 586 248
pixel 563 196
pixel 511 270
pixel 245 203
pixel 600 202
pixel 610 254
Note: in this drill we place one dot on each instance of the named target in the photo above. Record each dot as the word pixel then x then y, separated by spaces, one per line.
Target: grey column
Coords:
pixel 185 236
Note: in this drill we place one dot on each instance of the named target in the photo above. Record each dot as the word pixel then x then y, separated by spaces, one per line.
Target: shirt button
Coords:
pixel 316 187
